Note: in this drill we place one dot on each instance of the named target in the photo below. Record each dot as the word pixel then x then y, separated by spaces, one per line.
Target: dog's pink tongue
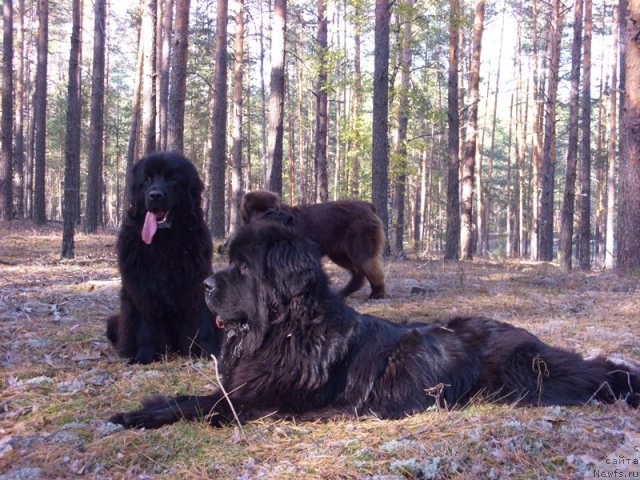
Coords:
pixel 149 228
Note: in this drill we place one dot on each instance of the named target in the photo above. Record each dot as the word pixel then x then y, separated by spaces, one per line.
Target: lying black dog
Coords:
pixel 293 347
pixel 164 254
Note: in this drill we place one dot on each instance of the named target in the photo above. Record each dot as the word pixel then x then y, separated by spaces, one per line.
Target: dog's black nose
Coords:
pixel 210 283
pixel 156 195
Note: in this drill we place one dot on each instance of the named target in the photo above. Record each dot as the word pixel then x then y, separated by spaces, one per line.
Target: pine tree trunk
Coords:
pixel 164 55
pixel 380 128
pixel 178 79
pixel 40 115
pixel 217 154
pixel 320 154
pixel 453 165
pixel 93 217
pixel 568 206
pixel 72 141
pixel 403 125
pixel 356 105
pixel 237 187
pixel 585 161
pixel 148 144
pixel 19 114
pixel 609 258
pixel 135 116
pixel 629 207
pixel 469 163
pixel 549 151
pixel 536 180
pixel 6 154
pixel 276 98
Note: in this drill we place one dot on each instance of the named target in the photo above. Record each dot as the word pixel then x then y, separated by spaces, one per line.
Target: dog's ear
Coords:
pixel 293 267
pixel 136 190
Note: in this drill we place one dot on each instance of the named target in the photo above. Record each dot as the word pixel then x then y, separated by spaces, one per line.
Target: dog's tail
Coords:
pixel 538 374
pixel 112 329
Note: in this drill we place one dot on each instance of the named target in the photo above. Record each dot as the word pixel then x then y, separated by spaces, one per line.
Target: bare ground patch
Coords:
pixel 60 379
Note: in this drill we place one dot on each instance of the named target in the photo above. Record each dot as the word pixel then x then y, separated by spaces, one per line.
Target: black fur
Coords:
pixel 293 347
pixel 162 306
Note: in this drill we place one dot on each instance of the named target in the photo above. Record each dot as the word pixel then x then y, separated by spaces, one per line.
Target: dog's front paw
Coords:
pixel 136 419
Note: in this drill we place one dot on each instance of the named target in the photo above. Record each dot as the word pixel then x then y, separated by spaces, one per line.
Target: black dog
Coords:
pixel 164 254
pixel 292 347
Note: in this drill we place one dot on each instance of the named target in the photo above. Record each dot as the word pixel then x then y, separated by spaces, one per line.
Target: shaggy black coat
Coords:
pixel 162 305
pixel 292 347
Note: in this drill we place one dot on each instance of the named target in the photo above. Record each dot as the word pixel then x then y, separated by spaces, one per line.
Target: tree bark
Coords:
pixel 276 98
pixel 568 206
pixel 178 78
pixel 164 62
pixel 536 178
pixel 403 125
pixel 6 154
pixel 93 217
pixel 237 187
pixel 71 200
pixel 320 154
pixel 453 164
pixel 469 163
pixel 19 113
pixel 217 155
pixel 549 152
pixel 585 170
pixel 149 19
pixel 40 115
pixel 629 208
pixel 609 257
pixel 135 116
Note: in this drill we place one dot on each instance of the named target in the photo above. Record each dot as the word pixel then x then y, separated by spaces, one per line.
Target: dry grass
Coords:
pixel 60 379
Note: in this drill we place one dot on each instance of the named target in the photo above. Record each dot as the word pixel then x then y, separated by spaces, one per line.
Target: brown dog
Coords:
pixel 349 232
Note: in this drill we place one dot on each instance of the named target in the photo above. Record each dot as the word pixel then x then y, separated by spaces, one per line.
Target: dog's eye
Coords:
pixel 244 268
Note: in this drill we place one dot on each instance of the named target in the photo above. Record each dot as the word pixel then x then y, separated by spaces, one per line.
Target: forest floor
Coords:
pixel 60 380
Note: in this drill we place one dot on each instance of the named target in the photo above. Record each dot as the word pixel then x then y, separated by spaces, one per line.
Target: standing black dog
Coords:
pixel 164 254
pixel 291 346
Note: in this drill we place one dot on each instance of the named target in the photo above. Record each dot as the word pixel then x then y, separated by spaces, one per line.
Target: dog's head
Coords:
pixel 273 274
pixel 254 204
pixel 165 190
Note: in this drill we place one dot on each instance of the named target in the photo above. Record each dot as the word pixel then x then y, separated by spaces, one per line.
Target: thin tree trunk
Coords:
pixel 135 115
pixel 621 88
pixel 19 120
pixel 380 128
pixel 609 258
pixel 237 187
pixel 72 141
pixel 585 161
pixel 276 97
pixel 40 115
pixel 148 78
pixel 549 151
pixel 217 154
pixel 568 206
pixel 178 78
pixel 453 174
pixel 320 154
pixel 6 154
pixel 629 208
pixel 353 149
pixel 263 101
pixel 164 54
pixel 538 141
pixel 403 125
pixel 93 216
pixel 469 163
